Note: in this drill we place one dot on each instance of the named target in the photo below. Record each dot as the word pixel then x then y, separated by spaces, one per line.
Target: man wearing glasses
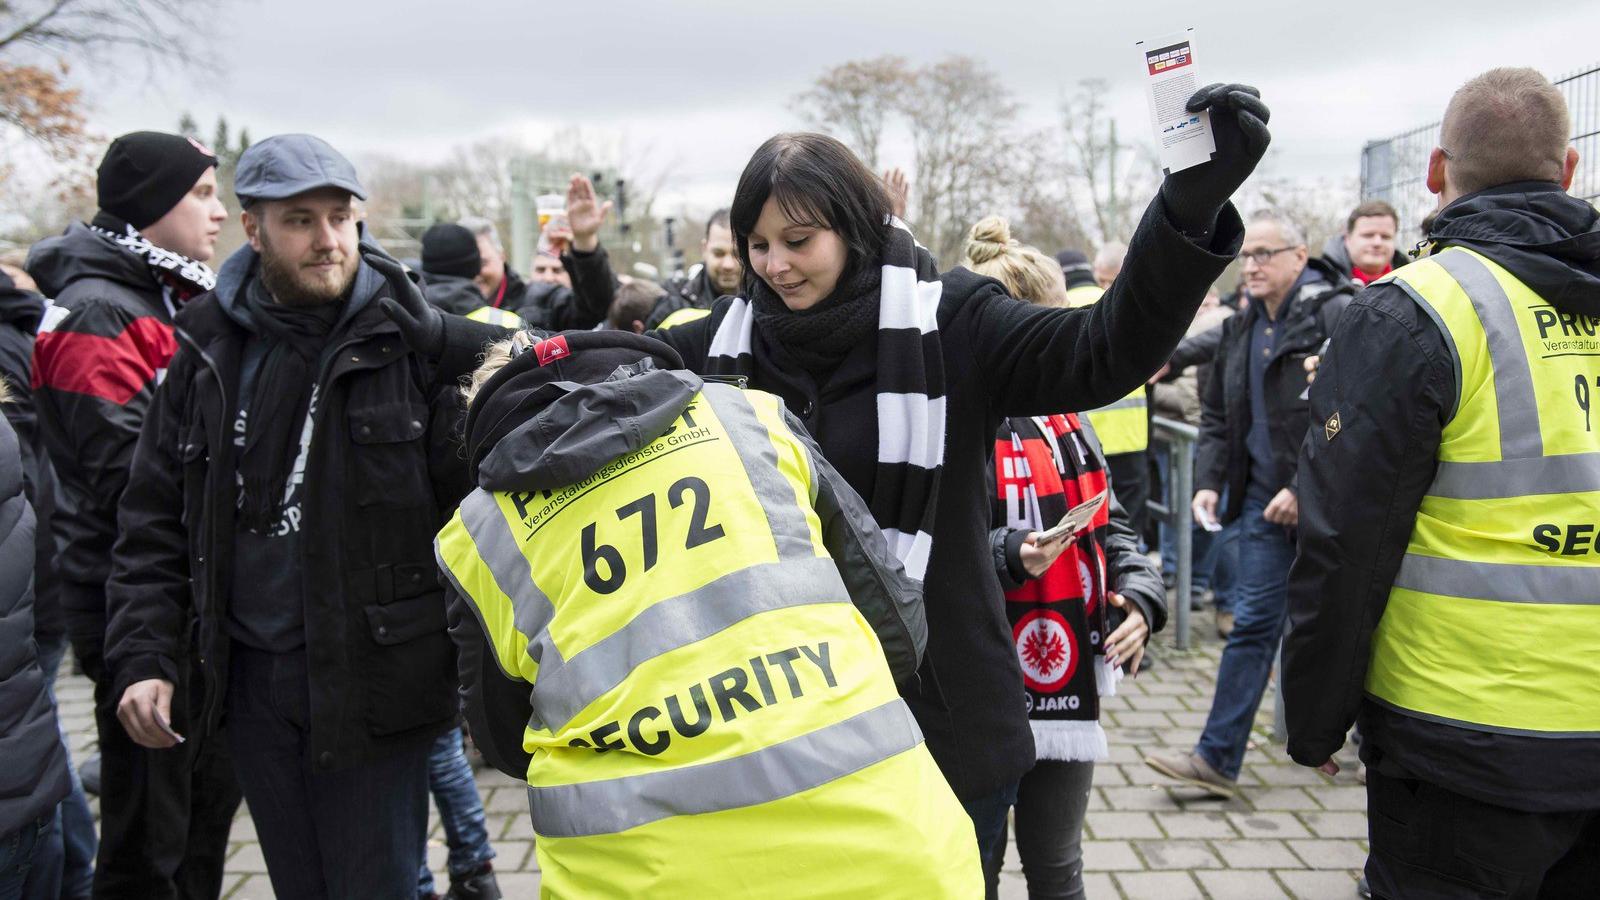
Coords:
pixel 1254 416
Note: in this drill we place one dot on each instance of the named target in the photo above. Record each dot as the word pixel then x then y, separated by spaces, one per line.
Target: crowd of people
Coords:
pixel 758 578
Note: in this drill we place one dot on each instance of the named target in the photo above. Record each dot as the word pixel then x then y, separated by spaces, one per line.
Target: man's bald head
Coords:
pixel 1505 125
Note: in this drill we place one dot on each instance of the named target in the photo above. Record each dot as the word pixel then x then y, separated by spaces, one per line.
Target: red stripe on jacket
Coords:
pixel 114 369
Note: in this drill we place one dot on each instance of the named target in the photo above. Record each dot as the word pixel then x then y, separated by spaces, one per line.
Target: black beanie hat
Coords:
pixel 449 249
pixel 145 174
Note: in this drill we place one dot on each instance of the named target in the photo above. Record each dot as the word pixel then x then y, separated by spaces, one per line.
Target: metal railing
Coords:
pixel 1396 169
pixel 1179 439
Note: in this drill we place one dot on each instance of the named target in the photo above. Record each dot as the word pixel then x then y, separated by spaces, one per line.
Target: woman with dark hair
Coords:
pixel 903 375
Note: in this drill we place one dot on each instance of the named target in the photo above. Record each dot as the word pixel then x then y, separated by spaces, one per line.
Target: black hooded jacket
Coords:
pixel 95 370
pixel 1389 375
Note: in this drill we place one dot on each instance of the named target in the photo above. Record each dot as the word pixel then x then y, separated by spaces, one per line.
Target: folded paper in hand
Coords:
pixel 1076 519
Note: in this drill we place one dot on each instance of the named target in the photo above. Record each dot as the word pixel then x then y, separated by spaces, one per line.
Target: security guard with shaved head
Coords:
pixel 1447 588
pixel 683 629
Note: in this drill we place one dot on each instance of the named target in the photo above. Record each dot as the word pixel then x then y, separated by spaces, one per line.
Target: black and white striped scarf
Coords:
pixel 911 392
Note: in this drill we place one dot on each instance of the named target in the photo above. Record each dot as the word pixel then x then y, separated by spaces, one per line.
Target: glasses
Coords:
pixel 1262 257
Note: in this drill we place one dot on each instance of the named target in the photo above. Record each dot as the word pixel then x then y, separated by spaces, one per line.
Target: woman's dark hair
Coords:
pixel 818 182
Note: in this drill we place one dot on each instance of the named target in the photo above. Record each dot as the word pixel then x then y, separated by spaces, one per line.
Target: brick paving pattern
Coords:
pixel 1291 834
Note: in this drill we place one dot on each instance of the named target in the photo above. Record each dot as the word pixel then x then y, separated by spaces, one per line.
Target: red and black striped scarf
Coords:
pixel 1043 467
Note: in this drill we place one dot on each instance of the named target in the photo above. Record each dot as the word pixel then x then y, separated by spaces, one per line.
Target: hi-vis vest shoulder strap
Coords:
pixel 1123 426
pixel 683 317
pixel 1493 622
pixel 697 673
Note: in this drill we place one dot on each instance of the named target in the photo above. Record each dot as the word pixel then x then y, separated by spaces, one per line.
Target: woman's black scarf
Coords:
pixel 281 403
pixel 820 337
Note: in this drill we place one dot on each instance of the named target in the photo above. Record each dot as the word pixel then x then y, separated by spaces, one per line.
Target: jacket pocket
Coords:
pixel 389 460
pixel 411 677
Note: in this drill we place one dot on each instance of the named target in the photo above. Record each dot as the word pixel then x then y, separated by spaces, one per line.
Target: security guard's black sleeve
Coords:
pixel 495 705
pixel 1389 378
pixel 888 599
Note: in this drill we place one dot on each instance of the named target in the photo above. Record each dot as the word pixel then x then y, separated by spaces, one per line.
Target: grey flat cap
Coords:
pixel 285 165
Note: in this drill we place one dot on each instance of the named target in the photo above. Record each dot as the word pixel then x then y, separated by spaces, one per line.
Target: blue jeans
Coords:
pixel 351 833
pixel 1221 562
pixel 70 847
pixel 466 828
pixel 989 823
pixel 18 852
pixel 1265 554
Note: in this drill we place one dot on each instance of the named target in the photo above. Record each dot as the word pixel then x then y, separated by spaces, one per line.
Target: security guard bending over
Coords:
pixel 1447 587
pixel 682 628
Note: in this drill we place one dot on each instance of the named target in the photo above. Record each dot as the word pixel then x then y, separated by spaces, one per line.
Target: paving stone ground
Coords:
pixel 1292 834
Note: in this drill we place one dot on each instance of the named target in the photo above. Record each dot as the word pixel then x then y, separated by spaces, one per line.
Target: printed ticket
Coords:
pixel 1076 519
pixel 1171 77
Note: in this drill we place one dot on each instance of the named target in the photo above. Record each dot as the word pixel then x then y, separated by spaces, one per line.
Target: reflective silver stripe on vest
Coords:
pixel 1520 435
pixel 762 776
pixel 564 689
pixel 1573 473
pixel 785 519
pixel 1138 402
pixel 1502 582
pixel 497 547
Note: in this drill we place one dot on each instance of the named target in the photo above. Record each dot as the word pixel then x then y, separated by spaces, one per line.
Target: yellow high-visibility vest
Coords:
pixel 712 717
pixel 492 316
pixel 1123 426
pixel 682 317
pixel 1493 622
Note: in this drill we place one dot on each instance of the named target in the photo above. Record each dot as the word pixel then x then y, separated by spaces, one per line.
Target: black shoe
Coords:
pixel 481 886
pixel 89 774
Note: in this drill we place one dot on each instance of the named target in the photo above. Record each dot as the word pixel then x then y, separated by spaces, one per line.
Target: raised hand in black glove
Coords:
pixel 1195 195
pixel 421 323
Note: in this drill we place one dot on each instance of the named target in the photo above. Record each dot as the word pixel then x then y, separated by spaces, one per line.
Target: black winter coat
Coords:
pixel 692 293
pixel 1001 358
pixel 34 777
pixel 1308 318
pixel 452 293
pixel 553 307
pixel 20 313
pixel 94 374
pixel 1391 378
pixel 384 472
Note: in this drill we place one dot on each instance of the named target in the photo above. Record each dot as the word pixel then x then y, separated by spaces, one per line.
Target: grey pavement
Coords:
pixel 1291 834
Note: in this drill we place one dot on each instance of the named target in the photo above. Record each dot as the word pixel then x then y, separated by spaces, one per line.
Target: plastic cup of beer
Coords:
pixel 549 206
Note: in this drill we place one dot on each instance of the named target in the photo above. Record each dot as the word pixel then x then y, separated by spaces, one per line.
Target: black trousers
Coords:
pixel 1428 842
pixel 1130 478
pixel 164 814
pixel 352 834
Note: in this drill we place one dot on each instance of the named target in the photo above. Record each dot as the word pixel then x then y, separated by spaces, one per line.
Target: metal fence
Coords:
pixel 1177 440
pixel 1396 169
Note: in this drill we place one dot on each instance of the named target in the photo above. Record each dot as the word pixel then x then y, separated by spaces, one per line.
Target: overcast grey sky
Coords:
pixel 704 81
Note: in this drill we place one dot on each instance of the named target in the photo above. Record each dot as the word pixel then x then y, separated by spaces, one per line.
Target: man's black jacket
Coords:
pixel 384 472
pixel 1390 378
pixel 693 293
pixel 554 307
pixel 1307 317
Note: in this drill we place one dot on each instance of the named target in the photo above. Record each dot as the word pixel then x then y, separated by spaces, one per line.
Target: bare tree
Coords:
pixel 962 121
pixel 855 100
pixel 1115 179
pixel 38 36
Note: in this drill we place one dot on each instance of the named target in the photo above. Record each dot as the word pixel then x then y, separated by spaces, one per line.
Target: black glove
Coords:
pixel 421 324
pixel 1196 195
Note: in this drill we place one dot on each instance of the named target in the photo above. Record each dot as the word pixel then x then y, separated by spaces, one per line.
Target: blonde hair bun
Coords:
pixel 989 239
